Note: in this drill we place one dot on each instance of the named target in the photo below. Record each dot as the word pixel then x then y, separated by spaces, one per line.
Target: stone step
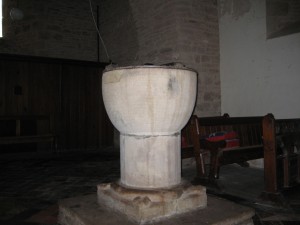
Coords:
pixel 85 210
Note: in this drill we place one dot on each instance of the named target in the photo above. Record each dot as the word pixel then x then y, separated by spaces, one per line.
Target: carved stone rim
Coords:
pixel 171 66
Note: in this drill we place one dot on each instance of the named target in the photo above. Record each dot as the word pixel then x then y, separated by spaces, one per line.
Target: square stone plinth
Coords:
pixel 85 210
pixel 148 205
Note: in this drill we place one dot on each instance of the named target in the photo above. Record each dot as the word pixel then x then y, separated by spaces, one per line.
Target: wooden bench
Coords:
pixel 27 129
pixel 276 141
pixel 190 143
pixel 282 153
pixel 249 132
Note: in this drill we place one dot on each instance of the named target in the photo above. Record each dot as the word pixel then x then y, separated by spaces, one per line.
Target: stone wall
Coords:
pixel 134 31
pixel 258 75
pixel 60 29
pixel 198 48
pixel 160 32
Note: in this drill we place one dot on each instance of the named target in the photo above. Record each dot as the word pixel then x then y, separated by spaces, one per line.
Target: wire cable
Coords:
pixel 91 8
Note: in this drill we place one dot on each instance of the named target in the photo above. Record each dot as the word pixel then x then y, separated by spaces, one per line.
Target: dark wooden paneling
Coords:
pixel 81 106
pixel 14 75
pixel 105 125
pixel 69 91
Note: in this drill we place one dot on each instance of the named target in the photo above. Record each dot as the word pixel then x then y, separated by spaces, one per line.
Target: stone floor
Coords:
pixel 31 186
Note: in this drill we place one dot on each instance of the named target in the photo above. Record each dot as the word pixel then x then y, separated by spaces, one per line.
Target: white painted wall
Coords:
pixel 258 76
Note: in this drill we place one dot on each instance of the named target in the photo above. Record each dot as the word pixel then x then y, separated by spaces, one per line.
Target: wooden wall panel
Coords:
pixel 92 106
pixel 44 93
pixel 72 106
pixel 68 91
pixel 2 88
pixel 44 88
pixel 106 127
pixel 15 76
pixel 83 111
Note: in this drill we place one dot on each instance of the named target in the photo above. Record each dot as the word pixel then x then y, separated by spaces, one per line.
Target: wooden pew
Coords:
pixel 190 146
pixel 27 129
pixel 282 153
pixel 276 141
pixel 249 132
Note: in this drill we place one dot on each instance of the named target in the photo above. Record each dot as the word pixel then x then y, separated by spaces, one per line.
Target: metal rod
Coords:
pixel 98 40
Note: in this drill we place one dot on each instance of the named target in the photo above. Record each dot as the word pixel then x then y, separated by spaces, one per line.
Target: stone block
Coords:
pixel 84 210
pixel 147 205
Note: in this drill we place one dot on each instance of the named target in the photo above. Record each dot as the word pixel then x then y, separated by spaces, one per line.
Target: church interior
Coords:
pixel 233 66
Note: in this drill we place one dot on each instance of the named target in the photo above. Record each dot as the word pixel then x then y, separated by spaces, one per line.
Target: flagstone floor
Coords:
pixel 30 187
